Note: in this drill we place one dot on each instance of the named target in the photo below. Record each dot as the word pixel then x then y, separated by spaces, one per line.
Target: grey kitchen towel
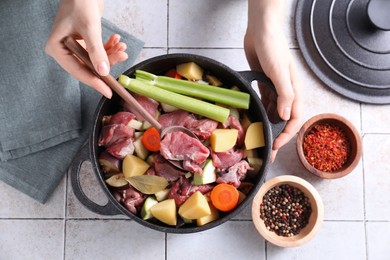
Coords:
pixel 45 114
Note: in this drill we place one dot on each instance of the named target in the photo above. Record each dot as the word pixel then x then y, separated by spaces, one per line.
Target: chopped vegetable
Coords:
pixel 133 166
pixel 150 159
pixel 208 175
pixel 172 73
pixel 234 112
pixel 213 81
pixel 245 121
pixel 241 197
pixel 134 123
pixel 196 206
pixel 190 70
pixel 162 194
pixel 199 107
pixel 151 139
pixel 109 163
pixel 255 163
pixel 140 149
pixel 148 204
pixel 165 211
pixel 224 197
pixel 168 108
pixel 254 137
pixel 117 181
pixel 146 125
pixel 209 218
pixel 229 97
pixel 222 140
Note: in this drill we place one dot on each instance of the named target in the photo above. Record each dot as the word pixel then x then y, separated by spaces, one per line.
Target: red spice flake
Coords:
pixel 326 147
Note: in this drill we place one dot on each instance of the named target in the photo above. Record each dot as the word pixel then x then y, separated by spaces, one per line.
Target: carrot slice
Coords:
pixel 173 74
pixel 224 197
pixel 151 139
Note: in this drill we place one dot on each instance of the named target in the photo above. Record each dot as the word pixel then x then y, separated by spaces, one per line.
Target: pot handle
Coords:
pixel 74 170
pixel 276 128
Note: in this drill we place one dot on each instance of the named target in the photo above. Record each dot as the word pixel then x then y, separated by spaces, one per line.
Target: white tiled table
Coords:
pixel 357 211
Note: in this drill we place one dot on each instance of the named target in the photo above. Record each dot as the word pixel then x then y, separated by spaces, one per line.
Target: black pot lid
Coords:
pixel 347 45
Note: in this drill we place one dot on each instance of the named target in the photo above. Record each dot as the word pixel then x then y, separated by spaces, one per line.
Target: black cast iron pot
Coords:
pixel 159 65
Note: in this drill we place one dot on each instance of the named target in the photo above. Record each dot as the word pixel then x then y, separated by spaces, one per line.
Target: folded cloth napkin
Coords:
pixel 45 114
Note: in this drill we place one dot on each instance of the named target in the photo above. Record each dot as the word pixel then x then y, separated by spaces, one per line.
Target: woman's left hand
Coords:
pixel 267 50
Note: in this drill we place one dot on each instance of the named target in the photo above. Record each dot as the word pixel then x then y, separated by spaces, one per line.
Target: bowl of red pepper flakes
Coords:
pixel 329 146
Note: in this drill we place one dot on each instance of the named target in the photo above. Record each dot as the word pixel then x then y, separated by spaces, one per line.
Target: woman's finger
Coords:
pixel 112 41
pixel 96 51
pixel 117 58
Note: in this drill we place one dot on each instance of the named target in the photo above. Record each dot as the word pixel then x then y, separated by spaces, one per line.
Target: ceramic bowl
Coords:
pixel 351 134
pixel 315 219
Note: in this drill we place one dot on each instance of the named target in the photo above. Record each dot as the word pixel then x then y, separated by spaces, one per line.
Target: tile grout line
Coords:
pixel 375 134
pixel 230 220
pixel 364 184
pixel 203 47
pixel 166 246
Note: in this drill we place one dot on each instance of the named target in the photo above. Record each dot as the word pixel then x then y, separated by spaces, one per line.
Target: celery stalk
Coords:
pixel 193 105
pixel 225 96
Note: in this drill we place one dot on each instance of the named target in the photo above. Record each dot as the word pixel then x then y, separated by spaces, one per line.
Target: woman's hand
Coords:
pixel 82 20
pixel 266 50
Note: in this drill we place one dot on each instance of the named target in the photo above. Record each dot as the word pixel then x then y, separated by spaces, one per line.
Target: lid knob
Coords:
pixel 379 14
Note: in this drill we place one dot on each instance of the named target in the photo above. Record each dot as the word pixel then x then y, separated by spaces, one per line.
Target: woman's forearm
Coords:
pixel 266 13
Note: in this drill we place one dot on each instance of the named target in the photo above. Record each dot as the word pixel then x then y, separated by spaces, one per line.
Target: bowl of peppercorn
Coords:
pixel 287 211
pixel 329 146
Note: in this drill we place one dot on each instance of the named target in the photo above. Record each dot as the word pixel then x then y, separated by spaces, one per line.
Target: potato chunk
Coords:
pixel 209 218
pixel 165 211
pixel 222 140
pixel 134 166
pixel 254 137
pixel 195 207
pixel 190 71
pixel 214 81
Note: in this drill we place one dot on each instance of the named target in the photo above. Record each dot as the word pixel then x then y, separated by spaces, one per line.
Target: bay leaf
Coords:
pixel 148 184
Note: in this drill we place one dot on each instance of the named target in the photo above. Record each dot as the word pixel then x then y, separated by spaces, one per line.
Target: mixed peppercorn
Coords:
pixel 326 147
pixel 285 210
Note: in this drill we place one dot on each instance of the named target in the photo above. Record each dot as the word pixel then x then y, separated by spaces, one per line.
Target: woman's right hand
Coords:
pixel 82 20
